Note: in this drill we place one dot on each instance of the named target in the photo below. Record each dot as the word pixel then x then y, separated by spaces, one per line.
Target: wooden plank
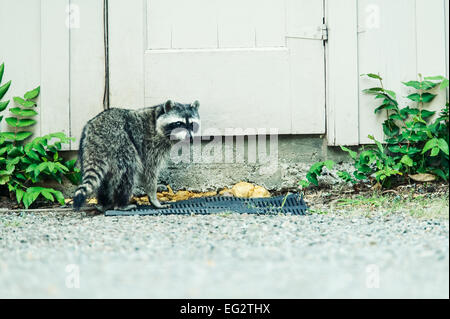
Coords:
pixel 237 88
pixel 20 50
pixel 55 85
pixel 431 43
pixel 386 45
pixel 447 35
pixel 307 68
pixel 159 24
pixel 342 73
pixel 86 66
pixel 236 28
pixel 127 25
pixel 270 23
pixel 194 24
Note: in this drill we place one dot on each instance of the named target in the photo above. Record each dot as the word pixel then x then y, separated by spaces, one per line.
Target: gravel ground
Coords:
pixel 223 256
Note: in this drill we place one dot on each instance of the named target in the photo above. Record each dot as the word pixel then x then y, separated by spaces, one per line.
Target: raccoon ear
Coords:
pixel 196 104
pixel 168 106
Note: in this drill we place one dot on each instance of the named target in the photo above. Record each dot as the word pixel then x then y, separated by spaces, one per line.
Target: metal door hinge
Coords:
pixel 313 33
pixel 324 29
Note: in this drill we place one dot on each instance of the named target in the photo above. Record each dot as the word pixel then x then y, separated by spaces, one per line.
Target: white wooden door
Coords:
pixel 251 63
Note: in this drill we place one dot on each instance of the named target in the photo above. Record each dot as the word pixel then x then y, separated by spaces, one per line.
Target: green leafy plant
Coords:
pixel 414 142
pixel 314 172
pixel 24 164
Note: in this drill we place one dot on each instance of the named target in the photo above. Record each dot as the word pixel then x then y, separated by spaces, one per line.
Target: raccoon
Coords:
pixel 120 149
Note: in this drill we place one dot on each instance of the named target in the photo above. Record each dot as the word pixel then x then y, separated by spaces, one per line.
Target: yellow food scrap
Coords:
pixel 242 190
pixel 247 190
pixel 260 192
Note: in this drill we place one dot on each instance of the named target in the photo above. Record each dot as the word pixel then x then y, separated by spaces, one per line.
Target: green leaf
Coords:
pixel 4 88
pixel 38 147
pixel 373 76
pixel 316 168
pixel 8 135
pixel 30 196
pixel 23 102
pixel 32 94
pixel 19 195
pixel 409 111
pixel 440 173
pixel 51 166
pixel 3 105
pixel 427 85
pixel 12 121
pixel 390 129
pixel 435 78
pixel 444 80
pixel 15 152
pixel 412 150
pixel 32 154
pixel 429 145
pixel 444 84
pixel 414 97
pixel 359 176
pixel 396 117
pixel 46 193
pixel 434 151
pixel 407 161
pixel 59 197
pixel 391 93
pixel 426 114
pixel 4 179
pixel 31 168
pixel 413 84
pixel 304 183
pixel 443 146
pixel 352 154
pixel 25 122
pixel 374 90
pixel 345 176
pixel 23 135
pixel 380 147
pixel 23 112
pixel 329 164
pixel 312 179
pixel 2 69
pixel 428 97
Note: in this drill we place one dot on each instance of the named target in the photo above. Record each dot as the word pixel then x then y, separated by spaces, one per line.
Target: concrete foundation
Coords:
pixel 218 163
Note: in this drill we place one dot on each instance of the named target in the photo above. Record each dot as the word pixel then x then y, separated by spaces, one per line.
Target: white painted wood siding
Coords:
pixel 38 48
pixel 249 62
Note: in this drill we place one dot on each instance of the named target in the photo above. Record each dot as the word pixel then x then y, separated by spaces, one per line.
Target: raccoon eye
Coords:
pixel 179 123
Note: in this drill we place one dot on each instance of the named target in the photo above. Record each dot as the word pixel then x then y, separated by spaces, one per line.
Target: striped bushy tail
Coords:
pixel 92 178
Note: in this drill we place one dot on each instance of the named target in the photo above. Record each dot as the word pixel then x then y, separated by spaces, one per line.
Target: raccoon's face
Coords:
pixel 178 121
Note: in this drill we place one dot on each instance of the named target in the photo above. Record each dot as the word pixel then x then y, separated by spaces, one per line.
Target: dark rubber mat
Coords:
pixel 290 204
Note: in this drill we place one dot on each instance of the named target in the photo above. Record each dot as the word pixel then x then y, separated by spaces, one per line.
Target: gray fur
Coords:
pixel 120 149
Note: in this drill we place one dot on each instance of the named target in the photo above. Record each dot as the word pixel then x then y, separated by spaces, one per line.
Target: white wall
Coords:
pixel 396 38
pixel 38 49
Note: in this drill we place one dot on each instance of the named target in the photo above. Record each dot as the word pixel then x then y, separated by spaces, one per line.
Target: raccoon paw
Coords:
pixel 102 208
pixel 162 188
pixel 158 205
pixel 125 208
